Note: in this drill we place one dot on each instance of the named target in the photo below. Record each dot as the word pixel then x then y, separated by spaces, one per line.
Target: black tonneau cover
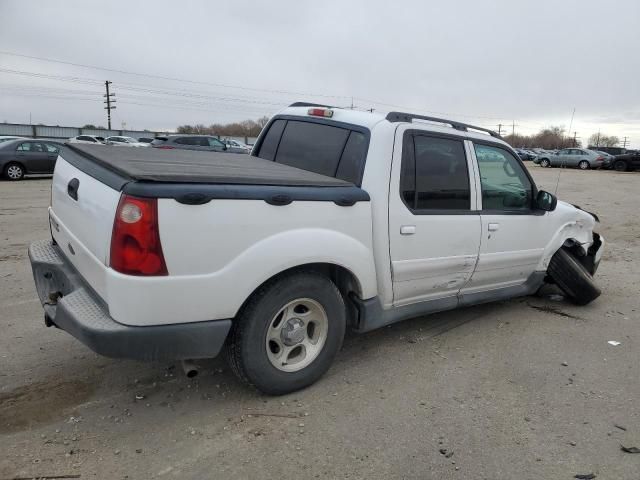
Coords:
pixel 195 178
pixel 150 164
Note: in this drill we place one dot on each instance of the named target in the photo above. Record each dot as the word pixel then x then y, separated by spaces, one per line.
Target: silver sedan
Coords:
pixel 581 158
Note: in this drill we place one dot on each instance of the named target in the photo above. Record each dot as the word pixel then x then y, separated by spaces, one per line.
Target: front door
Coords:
pixel 434 226
pixel 513 233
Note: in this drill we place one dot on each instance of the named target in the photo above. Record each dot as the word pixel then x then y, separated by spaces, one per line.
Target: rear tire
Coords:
pixel 259 338
pixel 545 163
pixel 14 172
pixel 584 165
pixel 620 166
pixel 573 278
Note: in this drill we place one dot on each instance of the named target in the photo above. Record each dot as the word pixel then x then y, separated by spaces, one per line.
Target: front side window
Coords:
pixel 434 174
pixel 505 185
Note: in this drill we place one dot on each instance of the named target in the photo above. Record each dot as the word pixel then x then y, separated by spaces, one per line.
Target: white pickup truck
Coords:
pixel 338 219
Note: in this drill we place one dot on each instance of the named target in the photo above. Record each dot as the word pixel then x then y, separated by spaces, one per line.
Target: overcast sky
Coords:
pixel 485 62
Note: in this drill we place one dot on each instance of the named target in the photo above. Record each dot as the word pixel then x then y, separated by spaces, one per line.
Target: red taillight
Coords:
pixel 599 159
pixel 166 147
pixel 320 112
pixel 135 241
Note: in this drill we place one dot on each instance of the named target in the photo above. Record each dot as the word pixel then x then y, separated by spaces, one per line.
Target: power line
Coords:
pixel 172 79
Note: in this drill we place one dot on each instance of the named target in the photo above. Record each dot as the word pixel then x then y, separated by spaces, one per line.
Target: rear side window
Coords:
pixel 214 142
pixel 24 147
pixel 188 141
pixel 51 148
pixel 334 151
pixel 434 174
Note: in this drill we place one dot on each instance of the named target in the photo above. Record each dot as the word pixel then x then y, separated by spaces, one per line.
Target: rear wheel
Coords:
pixel 620 166
pixel 545 162
pixel 573 278
pixel 584 165
pixel 14 171
pixel 288 333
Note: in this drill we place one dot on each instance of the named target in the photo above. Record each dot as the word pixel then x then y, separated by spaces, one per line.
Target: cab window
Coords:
pixel 505 184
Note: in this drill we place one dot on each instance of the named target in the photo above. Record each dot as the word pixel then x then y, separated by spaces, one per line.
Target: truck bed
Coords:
pixel 188 166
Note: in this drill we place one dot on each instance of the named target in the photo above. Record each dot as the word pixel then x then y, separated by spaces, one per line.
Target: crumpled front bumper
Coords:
pixel 70 304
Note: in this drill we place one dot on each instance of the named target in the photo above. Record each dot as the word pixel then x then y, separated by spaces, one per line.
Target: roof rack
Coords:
pixel 409 117
pixel 306 104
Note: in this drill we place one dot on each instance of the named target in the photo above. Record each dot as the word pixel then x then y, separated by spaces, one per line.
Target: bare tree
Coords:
pixel 602 140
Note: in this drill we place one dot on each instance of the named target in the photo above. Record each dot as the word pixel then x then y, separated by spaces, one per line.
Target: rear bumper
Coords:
pixel 70 304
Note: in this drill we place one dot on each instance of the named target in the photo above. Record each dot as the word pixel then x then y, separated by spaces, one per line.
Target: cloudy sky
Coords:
pixel 530 62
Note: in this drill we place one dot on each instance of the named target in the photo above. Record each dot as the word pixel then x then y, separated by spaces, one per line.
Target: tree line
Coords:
pixel 554 137
pixel 245 128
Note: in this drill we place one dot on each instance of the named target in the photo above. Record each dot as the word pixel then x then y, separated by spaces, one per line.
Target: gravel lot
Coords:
pixel 526 389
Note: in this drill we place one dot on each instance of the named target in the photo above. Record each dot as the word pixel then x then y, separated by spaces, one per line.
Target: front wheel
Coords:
pixel 545 162
pixel 287 335
pixel 14 171
pixel 584 165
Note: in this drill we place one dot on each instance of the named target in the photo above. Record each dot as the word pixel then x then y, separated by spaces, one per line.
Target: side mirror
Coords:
pixel 546 201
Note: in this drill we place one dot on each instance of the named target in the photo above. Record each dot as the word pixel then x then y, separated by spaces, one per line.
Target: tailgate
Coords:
pixel 81 215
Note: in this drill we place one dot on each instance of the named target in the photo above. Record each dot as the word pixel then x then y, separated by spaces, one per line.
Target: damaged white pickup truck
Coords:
pixel 338 219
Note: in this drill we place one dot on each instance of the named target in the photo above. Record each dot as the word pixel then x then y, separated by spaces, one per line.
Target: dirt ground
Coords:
pixel 522 389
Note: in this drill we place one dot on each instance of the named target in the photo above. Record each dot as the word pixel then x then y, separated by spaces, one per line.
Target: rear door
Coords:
pixel 434 226
pixel 34 156
pixel 513 233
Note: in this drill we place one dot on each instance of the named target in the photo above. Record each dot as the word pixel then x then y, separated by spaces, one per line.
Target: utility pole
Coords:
pixel 513 128
pixel 598 140
pixel 575 139
pixel 624 142
pixel 109 101
pixel 499 129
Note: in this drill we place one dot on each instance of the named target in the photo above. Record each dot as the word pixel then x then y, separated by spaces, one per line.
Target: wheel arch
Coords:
pixel 345 280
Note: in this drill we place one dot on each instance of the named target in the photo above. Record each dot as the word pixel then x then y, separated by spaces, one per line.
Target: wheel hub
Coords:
pixel 293 332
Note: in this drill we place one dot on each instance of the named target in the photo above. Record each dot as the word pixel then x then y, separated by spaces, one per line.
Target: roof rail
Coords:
pixel 306 104
pixel 409 117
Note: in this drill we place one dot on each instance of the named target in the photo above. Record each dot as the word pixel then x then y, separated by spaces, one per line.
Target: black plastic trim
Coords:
pixel 199 194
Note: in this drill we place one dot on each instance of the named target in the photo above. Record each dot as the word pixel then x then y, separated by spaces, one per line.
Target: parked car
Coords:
pixel 203 143
pixel 19 158
pixel 124 142
pixel 525 154
pixel 6 138
pixel 338 219
pixel 627 161
pixel 235 146
pixel 145 139
pixel 571 157
pixel 608 159
pixel 87 139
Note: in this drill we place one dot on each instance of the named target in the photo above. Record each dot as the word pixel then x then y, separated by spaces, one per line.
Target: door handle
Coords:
pixel 407 229
pixel 72 188
pixel 493 227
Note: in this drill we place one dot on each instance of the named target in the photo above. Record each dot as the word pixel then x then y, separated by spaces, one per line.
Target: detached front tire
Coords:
pixel 573 278
pixel 288 334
